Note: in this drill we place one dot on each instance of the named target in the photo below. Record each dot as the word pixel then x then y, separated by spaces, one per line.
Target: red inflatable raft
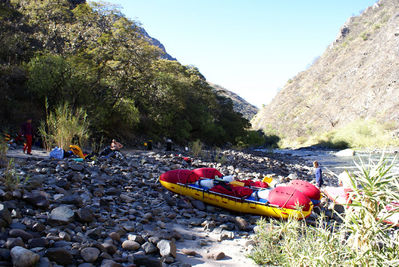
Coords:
pixel 307 189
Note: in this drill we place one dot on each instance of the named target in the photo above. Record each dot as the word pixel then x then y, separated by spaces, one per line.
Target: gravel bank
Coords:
pixel 113 212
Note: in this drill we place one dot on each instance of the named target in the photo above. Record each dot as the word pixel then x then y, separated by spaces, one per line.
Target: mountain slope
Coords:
pixel 355 78
pixel 240 105
pixel 158 44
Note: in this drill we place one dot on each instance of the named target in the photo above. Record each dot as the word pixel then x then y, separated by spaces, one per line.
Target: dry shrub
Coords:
pixel 196 148
pixel 3 153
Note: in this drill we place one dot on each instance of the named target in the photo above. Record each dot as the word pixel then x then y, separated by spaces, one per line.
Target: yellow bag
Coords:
pixel 267 180
pixel 77 151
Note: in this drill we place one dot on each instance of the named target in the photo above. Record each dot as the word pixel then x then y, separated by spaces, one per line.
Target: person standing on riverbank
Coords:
pixel 168 144
pixel 27 132
pixel 318 174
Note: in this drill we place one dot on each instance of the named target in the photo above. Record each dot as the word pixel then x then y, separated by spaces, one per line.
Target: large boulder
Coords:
pixel 74 199
pixel 85 215
pixel 62 214
pixel 130 245
pixel 110 263
pixel 20 233
pixel 144 260
pixel 345 153
pixel 77 167
pixel 38 242
pixel 37 198
pixel 167 248
pixel 198 204
pixel 149 248
pixel 60 255
pixel 5 216
pixel 90 254
pixel 241 223
pixel 22 257
pixel 216 255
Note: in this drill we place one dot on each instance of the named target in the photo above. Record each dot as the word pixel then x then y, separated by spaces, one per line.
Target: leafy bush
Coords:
pixel 340 144
pixel 375 188
pixel 62 126
pixel 258 138
pixel 362 239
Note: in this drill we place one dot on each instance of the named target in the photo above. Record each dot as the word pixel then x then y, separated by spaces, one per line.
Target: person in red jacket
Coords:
pixel 27 132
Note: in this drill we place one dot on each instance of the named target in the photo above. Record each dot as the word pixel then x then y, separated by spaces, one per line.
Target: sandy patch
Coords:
pixel 234 249
pixel 36 153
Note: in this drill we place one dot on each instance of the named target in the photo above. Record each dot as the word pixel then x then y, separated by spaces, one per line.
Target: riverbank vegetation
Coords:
pixel 357 134
pixel 256 139
pixel 91 56
pixel 360 134
pixel 362 238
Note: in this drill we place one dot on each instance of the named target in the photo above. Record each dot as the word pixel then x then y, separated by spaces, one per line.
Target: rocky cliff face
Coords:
pixel 357 77
pixel 240 105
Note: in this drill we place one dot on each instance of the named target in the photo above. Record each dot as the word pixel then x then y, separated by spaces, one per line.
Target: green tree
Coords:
pixel 56 78
pixel 90 55
pixel 49 19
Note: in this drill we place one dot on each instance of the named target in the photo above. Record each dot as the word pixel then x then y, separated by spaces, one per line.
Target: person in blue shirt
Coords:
pixel 318 174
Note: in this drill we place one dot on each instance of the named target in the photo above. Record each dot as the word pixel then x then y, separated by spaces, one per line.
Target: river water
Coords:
pixel 338 164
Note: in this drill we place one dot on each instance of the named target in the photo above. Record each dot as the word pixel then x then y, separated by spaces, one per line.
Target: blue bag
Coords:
pixel 57 153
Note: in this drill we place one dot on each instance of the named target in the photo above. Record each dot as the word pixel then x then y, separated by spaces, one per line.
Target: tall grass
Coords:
pixel 196 148
pixel 10 178
pixel 63 125
pixel 362 239
pixel 220 157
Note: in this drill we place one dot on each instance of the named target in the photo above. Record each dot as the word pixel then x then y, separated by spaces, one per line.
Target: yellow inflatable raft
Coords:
pixel 183 182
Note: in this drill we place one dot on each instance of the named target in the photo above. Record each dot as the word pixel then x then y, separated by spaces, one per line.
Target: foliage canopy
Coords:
pixel 91 56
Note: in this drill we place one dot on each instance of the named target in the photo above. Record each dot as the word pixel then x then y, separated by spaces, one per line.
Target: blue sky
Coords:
pixel 251 47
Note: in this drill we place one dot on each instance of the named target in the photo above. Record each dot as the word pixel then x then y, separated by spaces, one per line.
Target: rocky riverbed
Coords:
pixel 114 212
